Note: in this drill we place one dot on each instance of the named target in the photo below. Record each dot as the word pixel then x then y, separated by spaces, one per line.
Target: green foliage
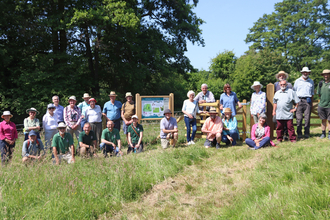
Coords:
pixel 223 64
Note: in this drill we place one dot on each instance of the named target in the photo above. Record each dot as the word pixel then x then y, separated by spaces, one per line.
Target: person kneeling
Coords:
pixel 87 141
pixel 168 130
pixel 230 132
pixel 260 134
pixel 62 145
pixel 110 140
pixel 32 148
pixel 212 127
pixel 135 135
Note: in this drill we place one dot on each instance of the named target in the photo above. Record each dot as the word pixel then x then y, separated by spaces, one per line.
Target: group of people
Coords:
pixel 85 121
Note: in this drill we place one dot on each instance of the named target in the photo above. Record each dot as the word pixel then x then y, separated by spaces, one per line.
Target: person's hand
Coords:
pixel 274 113
pixel 221 107
pixel 293 110
pixel 83 116
pixel 230 138
pixel 73 160
pixel 190 116
pixel 257 144
pixel 258 115
pixel 74 127
pixel 38 128
pixel 113 145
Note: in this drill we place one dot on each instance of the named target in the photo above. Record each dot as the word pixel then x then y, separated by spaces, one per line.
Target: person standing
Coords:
pixel 304 88
pixel 58 109
pixel 49 122
pixel 228 99
pixel 72 117
pixel 83 106
pixel 323 90
pixel 8 136
pixel 258 101
pixel 204 96
pixel 127 111
pixel 111 110
pixel 283 111
pixel 31 123
pixel 93 115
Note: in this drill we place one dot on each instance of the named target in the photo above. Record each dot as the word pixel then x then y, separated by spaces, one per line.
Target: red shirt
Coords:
pixel 8 130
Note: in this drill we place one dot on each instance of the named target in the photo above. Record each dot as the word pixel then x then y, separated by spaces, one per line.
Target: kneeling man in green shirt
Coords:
pixel 87 141
pixel 62 144
pixel 110 140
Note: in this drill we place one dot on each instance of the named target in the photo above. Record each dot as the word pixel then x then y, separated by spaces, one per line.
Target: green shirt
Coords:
pixel 112 136
pixel 134 137
pixel 87 139
pixel 324 92
pixel 28 123
pixel 62 144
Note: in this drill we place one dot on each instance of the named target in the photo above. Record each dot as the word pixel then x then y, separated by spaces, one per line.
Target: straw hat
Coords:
pixel 227 110
pixel 32 110
pixel 213 110
pixel 281 73
pixel 128 94
pixel 73 98
pixel 6 113
pixel 305 69
pixel 112 93
pixel 326 71
pixel 86 95
pixel 256 83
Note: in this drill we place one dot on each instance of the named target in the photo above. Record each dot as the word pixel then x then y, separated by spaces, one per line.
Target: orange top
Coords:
pixel 215 126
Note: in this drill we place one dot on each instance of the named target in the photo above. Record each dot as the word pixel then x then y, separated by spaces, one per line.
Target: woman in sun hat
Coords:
pixel 258 101
pixel 230 133
pixel 8 136
pixel 31 123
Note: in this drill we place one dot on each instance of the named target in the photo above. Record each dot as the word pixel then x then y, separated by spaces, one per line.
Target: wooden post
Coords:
pixel 138 106
pixel 171 102
pixel 269 97
pixel 244 120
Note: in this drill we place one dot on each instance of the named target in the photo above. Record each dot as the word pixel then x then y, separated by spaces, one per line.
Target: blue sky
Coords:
pixel 226 27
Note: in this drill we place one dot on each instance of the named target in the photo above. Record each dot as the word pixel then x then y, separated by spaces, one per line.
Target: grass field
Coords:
pixel 183 183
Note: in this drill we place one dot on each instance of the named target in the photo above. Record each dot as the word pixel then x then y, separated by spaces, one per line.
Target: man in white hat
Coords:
pixel 127 111
pixel 213 127
pixel 83 106
pixel 280 76
pixel 258 101
pixel 135 135
pixel 72 117
pixel 304 87
pixel 323 90
pixel 111 110
pixel 63 148
pixel 8 136
pixel 32 148
pixel 168 129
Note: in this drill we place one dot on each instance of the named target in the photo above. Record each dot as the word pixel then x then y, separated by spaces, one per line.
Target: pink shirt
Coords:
pixel 267 133
pixel 215 126
pixel 8 130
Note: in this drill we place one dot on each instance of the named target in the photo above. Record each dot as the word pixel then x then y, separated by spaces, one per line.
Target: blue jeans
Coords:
pixel 108 149
pixel 262 143
pixel 6 151
pixel 233 134
pixel 190 122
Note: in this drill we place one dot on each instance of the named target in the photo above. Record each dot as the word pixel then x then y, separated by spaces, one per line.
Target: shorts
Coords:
pixel 165 143
pixel 208 142
pixel 125 127
pixel 67 157
pixel 324 113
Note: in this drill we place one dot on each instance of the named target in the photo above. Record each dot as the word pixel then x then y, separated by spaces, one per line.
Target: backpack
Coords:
pixel 28 145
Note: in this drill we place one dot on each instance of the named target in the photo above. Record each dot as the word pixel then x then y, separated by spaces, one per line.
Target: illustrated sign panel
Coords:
pixel 154 107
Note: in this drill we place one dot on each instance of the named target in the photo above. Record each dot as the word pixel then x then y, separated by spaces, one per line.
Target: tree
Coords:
pixel 300 29
pixel 223 64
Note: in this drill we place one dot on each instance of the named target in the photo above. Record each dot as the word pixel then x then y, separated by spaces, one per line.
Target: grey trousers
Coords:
pixel 97 128
pixel 303 111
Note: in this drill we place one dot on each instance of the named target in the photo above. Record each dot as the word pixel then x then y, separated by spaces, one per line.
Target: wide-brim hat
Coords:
pixel 326 71
pixel 86 95
pixel 281 73
pixel 92 99
pixel 135 116
pixel 305 69
pixel 32 110
pixel 61 125
pixel 112 93
pixel 256 83
pixel 128 94
pixel 72 98
pixel 227 110
pixel 167 111
pixel 213 110
pixel 6 113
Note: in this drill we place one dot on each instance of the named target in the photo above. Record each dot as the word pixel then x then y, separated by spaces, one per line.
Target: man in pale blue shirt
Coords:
pixel 59 108
pixel 83 106
pixel 112 110
pixel 283 110
pixel 304 87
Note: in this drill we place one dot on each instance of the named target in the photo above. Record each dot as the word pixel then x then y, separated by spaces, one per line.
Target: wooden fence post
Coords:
pixel 269 97
pixel 138 106
pixel 244 120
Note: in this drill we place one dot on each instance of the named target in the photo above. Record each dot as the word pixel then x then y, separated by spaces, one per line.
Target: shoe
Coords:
pixel 207 146
pixel 217 146
pixel 192 142
pixel 189 143
pixel 251 148
pixel 300 136
pixel 293 141
pixel 278 142
pixel 285 138
pixel 323 136
pixel 306 136
pixel 329 136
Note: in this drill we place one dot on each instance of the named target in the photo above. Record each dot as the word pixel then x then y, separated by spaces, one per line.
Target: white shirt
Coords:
pixel 93 114
pixel 49 122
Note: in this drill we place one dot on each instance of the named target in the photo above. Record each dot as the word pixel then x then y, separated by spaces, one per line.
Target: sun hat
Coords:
pixel 135 116
pixel 167 111
pixel 92 99
pixel 128 94
pixel 32 110
pixel 73 98
pixel 281 73
pixel 305 69
pixel 51 105
pixel 86 95
pixel 326 71
pixel 61 125
pixel 263 115
pixel 213 110
pixel 32 132
pixel 227 110
pixel 6 113
pixel 112 93
pixel 256 83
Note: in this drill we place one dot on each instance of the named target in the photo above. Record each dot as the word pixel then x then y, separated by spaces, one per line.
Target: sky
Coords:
pixel 226 26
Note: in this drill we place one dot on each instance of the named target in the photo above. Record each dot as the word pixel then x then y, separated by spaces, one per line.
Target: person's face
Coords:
pixel 112 98
pixel 56 100
pixel 32 114
pixel 129 98
pixel 110 125
pixel 92 104
pixel 282 77
pixel 135 120
pixel 72 102
pixel 212 115
pixel 204 89
pixel 87 128
pixel 257 88
pixel 262 120
pixel 227 114
pixel 168 116
pixel 86 100
pixel 61 130
pixel 326 76
pixel 283 85
pixel 191 96
pixel 228 89
pixel 7 118
pixel 33 138
pixel 51 110
pixel 305 74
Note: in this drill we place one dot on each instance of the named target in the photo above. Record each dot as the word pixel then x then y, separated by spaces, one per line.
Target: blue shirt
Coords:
pixel 229 101
pixel 83 106
pixel 112 110
pixel 304 88
pixel 59 112
pixel 284 100
pixel 231 124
